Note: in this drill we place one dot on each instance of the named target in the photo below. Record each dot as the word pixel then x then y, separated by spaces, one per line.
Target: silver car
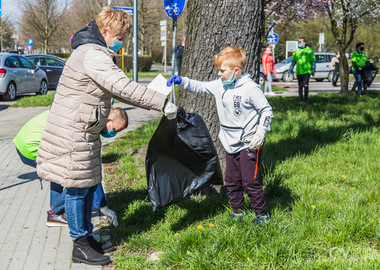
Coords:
pixel 18 76
pixel 322 70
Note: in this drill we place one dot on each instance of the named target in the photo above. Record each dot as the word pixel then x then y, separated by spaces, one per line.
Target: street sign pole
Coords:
pixel 135 41
pixel 173 9
pixel 163 25
pixel 173 49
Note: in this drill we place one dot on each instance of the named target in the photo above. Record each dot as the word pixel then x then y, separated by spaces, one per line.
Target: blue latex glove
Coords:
pixel 174 78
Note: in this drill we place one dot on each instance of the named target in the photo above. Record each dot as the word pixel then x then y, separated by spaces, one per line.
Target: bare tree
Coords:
pixel 41 19
pixel 6 32
pixel 211 26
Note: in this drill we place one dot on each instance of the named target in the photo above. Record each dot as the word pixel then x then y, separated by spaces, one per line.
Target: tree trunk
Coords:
pixel 344 72
pixel 211 26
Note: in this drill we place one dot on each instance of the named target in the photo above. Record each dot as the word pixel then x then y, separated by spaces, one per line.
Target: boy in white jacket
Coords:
pixel 245 117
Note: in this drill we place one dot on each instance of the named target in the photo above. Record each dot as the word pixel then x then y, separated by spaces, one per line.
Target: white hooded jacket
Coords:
pixel 242 108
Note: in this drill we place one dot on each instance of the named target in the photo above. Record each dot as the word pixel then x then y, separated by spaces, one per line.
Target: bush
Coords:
pixel 62 55
pixel 144 62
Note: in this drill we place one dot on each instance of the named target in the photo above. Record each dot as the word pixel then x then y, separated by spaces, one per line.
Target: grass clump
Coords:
pixel 320 176
pixel 34 101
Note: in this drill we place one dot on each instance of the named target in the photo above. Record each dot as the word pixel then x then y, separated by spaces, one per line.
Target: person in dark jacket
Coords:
pixel 179 55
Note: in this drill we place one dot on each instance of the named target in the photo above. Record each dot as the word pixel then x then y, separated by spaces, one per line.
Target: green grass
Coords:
pixel 276 88
pixel 149 74
pixel 34 101
pixel 321 179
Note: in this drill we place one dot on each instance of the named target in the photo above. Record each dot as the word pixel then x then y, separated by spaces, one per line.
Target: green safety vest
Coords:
pixel 28 138
pixel 359 59
pixel 303 58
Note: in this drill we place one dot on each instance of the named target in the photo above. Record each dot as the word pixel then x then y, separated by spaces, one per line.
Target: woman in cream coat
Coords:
pixel 70 149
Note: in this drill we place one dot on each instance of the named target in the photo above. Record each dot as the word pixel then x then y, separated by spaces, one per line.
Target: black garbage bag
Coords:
pixel 180 160
pixel 369 73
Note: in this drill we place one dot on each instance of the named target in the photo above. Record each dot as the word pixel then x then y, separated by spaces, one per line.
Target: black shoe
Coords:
pixel 84 253
pixel 100 247
pixel 56 220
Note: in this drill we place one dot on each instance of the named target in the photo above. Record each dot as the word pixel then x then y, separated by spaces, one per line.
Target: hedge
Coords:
pixel 144 61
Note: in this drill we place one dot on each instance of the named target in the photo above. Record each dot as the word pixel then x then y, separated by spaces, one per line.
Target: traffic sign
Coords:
pixel 273 38
pixel 30 42
pixel 174 8
pixel 129 10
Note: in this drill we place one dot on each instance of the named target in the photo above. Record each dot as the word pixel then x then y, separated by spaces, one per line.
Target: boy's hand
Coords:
pixel 170 110
pixel 174 78
pixel 111 215
pixel 256 141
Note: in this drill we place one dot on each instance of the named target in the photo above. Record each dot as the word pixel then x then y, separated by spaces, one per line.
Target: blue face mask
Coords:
pixel 108 134
pixel 116 45
pixel 300 45
pixel 229 82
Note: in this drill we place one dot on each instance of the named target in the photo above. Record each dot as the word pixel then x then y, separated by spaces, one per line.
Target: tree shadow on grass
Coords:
pixel 141 218
pixel 308 139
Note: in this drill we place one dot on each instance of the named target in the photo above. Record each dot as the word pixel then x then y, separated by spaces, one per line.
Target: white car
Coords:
pixel 322 70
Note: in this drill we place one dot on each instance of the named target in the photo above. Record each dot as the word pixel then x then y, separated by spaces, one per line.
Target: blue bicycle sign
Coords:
pixel 174 8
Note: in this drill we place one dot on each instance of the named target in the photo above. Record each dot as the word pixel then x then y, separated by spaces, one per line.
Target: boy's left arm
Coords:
pixel 262 106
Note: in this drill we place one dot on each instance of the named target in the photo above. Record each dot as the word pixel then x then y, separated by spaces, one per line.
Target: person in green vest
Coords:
pixel 304 58
pixel 358 61
pixel 27 142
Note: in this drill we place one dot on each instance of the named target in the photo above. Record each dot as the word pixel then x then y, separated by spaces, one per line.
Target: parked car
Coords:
pixel 18 75
pixel 322 70
pixel 51 64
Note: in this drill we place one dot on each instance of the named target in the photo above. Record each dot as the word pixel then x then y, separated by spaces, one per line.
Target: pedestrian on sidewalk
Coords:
pixel 335 68
pixel 245 116
pixel 27 142
pixel 179 55
pixel 70 150
pixel 305 60
pixel 269 69
pixel 358 61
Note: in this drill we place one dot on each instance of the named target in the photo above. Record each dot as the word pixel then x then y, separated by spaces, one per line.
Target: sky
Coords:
pixel 11 10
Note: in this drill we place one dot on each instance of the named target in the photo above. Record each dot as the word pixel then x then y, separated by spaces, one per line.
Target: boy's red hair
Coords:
pixel 231 56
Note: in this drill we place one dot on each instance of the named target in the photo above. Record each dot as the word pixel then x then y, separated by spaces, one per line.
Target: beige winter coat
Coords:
pixel 70 150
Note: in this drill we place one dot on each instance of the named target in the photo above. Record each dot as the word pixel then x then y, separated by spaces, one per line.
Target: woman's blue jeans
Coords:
pixel 58 195
pixel 358 81
pixel 78 208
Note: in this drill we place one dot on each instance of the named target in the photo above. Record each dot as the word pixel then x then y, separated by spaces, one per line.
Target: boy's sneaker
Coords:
pixel 261 220
pixel 236 216
pixel 54 220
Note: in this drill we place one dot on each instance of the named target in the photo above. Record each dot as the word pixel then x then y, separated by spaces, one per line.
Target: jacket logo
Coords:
pixel 237 108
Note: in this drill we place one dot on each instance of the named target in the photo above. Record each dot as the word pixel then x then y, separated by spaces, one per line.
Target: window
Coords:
pixel 35 60
pixel 328 58
pixel 320 58
pixel 12 62
pixel 26 63
pixel 53 62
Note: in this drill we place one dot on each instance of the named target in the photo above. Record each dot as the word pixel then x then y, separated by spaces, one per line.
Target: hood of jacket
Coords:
pixel 89 34
pixel 244 78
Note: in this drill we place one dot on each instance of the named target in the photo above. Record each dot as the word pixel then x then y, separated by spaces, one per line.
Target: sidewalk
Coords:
pixel 25 240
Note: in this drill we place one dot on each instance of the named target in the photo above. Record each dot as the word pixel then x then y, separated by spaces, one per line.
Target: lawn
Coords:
pixel 34 101
pixel 321 179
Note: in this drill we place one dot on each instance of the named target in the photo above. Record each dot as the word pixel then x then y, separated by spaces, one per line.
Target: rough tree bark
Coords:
pixel 211 26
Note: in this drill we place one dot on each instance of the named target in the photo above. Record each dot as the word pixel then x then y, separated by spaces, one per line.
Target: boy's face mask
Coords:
pixel 231 81
pixel 108 134
pixel 300 45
